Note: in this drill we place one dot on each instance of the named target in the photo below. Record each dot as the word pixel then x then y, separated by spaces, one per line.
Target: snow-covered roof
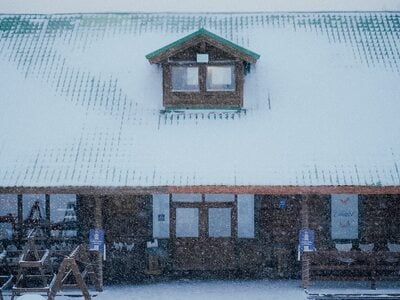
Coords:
pixel 80 103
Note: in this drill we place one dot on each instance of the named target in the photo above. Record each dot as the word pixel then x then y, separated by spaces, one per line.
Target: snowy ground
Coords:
pixel 238 290
pixel 354 287
pixel 208 290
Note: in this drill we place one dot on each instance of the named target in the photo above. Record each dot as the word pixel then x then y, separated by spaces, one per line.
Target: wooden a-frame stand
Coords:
pixel 29 261
pixel 5 280
pixel 69 268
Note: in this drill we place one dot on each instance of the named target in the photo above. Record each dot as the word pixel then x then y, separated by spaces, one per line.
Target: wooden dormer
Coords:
pixel 203 70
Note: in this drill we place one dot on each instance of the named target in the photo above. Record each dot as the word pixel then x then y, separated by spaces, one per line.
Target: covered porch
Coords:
pixel 224 232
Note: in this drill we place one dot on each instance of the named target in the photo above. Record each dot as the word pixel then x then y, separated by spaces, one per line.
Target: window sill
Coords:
pixel 185 91
pixel 211 110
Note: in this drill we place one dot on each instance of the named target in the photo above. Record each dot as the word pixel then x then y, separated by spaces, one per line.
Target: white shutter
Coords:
pixel 245 216
pixel 160 216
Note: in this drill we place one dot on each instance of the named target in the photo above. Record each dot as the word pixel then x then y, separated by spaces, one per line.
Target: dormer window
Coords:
pixel 221 78
pixel 185 79
pixel 203 70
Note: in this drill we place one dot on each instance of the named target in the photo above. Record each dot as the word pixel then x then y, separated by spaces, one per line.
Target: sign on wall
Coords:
pixel 202 58
pixel 96 239
pixel 306 240
pixel 282 202
pixel 344 216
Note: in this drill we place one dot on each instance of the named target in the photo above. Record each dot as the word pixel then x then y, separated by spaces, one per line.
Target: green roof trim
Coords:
pixel 204 32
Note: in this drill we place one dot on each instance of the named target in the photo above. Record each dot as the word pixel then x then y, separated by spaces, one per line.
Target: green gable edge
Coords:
pixel 203 31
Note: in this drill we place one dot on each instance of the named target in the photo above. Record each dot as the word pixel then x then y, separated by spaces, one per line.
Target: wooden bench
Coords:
pixel 350 265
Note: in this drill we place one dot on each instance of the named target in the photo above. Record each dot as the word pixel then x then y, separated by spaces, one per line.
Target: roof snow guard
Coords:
pixel 202 34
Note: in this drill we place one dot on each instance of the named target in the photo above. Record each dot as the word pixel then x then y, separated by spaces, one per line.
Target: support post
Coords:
pixel 47 204
pixel 20 219
pixel 98 223
pixel 305 259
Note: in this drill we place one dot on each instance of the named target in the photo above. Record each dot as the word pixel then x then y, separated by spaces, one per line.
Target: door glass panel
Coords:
pixel 187 222
pixel 219 222
pixel 186 197
pixel 220 197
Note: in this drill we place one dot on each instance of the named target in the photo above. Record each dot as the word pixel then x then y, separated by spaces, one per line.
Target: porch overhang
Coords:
pixel 205 189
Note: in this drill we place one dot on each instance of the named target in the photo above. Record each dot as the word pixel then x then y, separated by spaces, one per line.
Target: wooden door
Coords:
pixel 204 234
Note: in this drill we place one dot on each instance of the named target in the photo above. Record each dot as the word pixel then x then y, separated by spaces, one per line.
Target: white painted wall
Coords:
pixel 161 208
pixel 246 216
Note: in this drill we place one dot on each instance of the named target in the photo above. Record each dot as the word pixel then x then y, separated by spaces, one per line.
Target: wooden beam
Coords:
pixel 20 217
pixel 47 204
pixel 98 223
pixel 305 212
pixel 286 190
pixel 206 189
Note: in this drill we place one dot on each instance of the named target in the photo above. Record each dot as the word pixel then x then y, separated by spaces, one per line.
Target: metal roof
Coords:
pixel 80 105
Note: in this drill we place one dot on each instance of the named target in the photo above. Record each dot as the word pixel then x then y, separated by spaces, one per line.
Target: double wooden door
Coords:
pixel 203 234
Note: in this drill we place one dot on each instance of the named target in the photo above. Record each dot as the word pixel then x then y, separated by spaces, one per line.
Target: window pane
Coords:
pixel 246 216
pixel 220 78
pixel 187 222
pixel 186 197
pixel 63 213
pixel 219 197
pixel 185 78
pixel 8 212
pixel 62 208
pixel 219 222
pixel 34 208
pixel 8 204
